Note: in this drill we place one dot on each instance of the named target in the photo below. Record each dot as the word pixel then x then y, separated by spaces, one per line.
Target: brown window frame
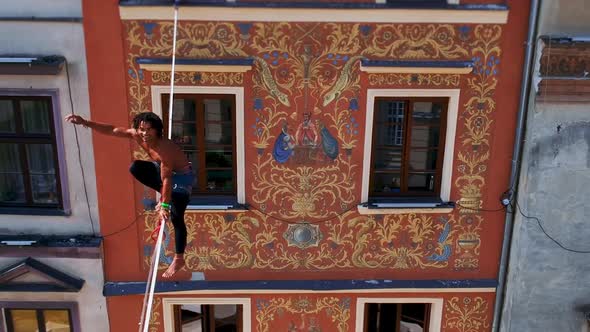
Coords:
pixel 40 317
pixel 208 317
pixel 385 319
pixel 21 139
pixel 201 169
pixel 405 160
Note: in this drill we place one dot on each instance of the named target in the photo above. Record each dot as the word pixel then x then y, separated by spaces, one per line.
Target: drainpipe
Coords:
pixel 516 158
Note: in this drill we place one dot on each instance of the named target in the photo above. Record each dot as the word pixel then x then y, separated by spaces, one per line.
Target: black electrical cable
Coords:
pixel 79 153
pixel 549 236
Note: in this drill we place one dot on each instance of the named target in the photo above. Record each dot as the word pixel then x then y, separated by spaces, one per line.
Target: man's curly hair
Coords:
pixel 151 118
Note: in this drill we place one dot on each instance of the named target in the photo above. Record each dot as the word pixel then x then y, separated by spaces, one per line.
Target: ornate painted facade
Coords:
pixel 302 219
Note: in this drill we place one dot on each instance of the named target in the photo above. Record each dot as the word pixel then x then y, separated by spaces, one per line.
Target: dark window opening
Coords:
pixel 208 318
pixel 396 317
pixel 29 166
pixel 204 127
pixel 408 147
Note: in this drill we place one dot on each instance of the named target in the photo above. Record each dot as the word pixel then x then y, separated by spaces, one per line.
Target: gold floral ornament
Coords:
pixel 303 192
pixel 338 310
pixel 468 242
pixel 479 107
pixel 379 244
pixel 195 78
pixel 467 315
pixel 155 317
pixel 414 79
pixel 415 41
pixel 194 39
pixel 470 180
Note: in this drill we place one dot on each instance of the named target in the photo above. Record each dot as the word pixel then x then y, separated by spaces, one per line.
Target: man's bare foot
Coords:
pixel 177 264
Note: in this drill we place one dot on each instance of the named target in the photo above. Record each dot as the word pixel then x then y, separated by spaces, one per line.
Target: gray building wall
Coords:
pixel 546 284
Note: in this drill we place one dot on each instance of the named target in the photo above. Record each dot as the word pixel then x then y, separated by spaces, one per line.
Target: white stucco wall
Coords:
pixel 91 304
pixel 54 38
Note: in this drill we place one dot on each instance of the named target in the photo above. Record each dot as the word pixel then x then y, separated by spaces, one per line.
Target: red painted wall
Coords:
pixel 108 103
pixel 219 242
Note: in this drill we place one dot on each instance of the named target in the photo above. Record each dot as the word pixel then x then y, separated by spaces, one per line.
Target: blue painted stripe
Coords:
pixel 435 64
pixel 433 4
pixel 133 288
pixel 209 62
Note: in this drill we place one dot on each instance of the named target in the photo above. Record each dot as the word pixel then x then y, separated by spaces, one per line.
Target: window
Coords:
pixel 407 147
pixel 396 317
pixel 29 165
pixel 40 316
pixel 208 318
pixel 204 126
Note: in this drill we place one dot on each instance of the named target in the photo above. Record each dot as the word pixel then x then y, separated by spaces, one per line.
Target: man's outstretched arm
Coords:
pixel 103 128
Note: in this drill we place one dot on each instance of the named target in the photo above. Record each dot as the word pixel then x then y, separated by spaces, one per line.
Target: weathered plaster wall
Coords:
pixel 546 284
pixel 54 38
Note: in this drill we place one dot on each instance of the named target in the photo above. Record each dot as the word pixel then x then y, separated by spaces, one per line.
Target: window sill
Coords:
pixel 405 205
pixel 33 211
pixel 216 204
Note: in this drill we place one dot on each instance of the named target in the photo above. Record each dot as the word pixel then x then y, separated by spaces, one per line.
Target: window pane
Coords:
pixel 226 317
pixel 184 110
pixel 217 110
pixel 57 320
pixel 191 318
pixel 426 113
pixel 220 133
pixel 7 124
pixel 24 320
pixel 425 136
pixel 35 116
pixel 219 157
pixel 42 172
pixel 184 133
pixel 389 126
pixel 421 181
pixel 388 159
pixel 12 188
pixel 386 182
pixel 220 180
pixel 193 158
pixel 423 160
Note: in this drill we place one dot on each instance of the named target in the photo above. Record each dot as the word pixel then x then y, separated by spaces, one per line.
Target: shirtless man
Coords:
pixel 170 173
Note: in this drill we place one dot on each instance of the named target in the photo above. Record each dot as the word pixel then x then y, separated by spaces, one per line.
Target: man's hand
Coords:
pixel 163 212
pixel 76 119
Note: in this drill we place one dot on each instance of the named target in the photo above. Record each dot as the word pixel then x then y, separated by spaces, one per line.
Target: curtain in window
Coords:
pixel 12 187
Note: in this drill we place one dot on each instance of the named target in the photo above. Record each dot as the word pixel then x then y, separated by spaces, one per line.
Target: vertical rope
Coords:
pixel 172 72
pixel 151 284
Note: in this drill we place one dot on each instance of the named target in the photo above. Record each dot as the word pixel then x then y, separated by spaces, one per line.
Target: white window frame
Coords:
pixel 169 303
pixel 158 91
pixel 452 115
pixel 436 306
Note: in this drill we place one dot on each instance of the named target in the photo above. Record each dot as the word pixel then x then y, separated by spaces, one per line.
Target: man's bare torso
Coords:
pixel 166 153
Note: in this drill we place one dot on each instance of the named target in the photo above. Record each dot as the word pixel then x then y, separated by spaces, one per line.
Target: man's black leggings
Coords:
pixel 148 174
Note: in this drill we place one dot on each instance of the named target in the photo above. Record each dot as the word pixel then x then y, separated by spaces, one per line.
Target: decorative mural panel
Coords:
pixel 255 241
pixel 467 312
pixel 304 137
pixel 303 313
pixel 435 80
